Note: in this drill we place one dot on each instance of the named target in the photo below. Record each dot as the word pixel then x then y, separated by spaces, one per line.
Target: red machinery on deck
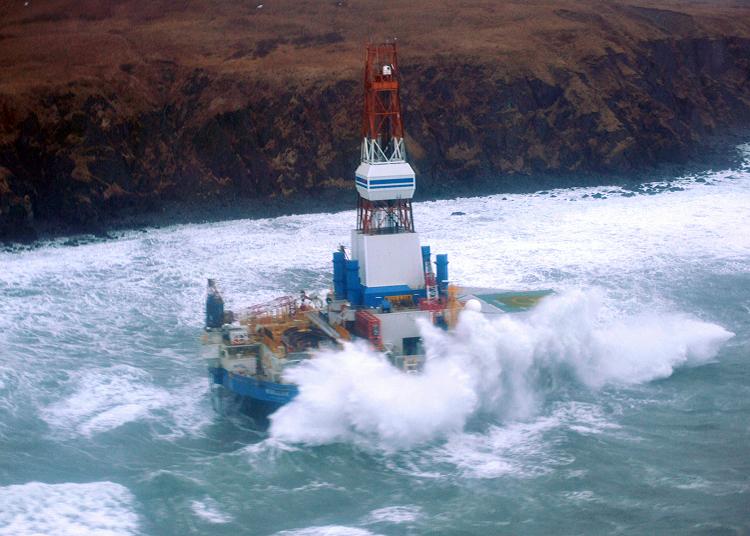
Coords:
pixel 367 325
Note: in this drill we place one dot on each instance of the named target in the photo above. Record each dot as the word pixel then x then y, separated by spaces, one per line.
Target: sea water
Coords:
pixel 620 405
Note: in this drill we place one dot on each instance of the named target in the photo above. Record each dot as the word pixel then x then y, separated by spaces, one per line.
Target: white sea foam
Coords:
pixel 511 240
pixel 580 496
pixel 91 509
pixel 209 510
pixel 106 398
pixel 520 448
pixel 394 514
pixel 327 530
pixel 500 365
pixel 516 449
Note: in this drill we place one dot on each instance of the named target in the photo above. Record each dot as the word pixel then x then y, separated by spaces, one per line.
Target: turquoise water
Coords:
pixel 621 406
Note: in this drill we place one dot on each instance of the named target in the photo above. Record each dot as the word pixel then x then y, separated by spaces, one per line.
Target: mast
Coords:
pixel 385 181
pixel 386 259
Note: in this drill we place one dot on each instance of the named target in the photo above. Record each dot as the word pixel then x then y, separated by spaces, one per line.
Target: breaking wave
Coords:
pixel 504 366
pixel 105 399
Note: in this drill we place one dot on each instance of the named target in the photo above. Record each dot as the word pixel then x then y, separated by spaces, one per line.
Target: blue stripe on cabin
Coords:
pixel 393 186
pixel 363 181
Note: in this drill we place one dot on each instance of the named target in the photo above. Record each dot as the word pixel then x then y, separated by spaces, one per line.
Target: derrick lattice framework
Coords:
pixel 385 181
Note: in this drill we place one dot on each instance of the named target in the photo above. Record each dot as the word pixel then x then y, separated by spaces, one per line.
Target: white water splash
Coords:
pixel 501 365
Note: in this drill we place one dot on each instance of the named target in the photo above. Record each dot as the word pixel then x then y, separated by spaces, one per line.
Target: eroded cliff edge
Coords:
pixel 112 109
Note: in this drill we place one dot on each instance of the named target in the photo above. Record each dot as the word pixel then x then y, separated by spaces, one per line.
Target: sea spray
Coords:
pixel 357 393
pixel 502 365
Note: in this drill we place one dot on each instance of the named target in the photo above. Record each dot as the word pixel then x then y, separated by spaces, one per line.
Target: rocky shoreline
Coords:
pixel 722 154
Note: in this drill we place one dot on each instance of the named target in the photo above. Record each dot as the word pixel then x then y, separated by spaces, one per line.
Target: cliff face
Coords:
pixel 121 107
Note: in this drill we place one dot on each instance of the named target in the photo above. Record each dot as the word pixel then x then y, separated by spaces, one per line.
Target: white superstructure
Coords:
pixel 382 181
pixel 387 260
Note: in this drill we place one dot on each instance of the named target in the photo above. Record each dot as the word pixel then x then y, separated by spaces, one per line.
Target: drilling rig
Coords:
pixel 384 287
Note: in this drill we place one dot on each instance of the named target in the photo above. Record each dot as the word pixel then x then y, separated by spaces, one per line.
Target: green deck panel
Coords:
pixel 514 302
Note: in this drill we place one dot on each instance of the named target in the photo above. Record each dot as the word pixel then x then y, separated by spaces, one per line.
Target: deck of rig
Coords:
pixel 384 286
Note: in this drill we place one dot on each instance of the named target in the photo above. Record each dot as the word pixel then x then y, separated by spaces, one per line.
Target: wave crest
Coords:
pixel 505 365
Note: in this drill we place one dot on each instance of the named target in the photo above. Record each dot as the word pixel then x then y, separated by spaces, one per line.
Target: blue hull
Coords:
pixel 263 398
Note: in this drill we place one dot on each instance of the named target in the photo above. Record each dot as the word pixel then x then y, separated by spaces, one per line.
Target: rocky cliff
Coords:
pixel 112 108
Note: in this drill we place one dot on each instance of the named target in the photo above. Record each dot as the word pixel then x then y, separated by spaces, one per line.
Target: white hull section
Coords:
pixel 398 326
pixel 388 259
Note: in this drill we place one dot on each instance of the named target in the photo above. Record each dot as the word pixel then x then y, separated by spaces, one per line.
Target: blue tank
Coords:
pixel 353 285
pixel 339 275
pixel 441 260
